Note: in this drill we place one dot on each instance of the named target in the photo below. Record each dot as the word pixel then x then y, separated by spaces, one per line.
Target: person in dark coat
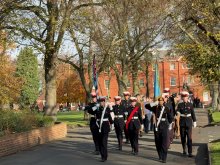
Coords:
pixel 119 123
pixel 163 119
pixel 92 109
pixel 168 103
pixel 104 123
pixel 134 124
pixel 187 120
pixel 126 103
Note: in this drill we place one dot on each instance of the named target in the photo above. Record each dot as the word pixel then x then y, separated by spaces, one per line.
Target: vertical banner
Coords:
pixel 156 82
pixel 95 77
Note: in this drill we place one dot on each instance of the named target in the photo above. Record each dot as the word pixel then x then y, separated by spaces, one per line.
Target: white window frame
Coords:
pixel 106 85
pixel 172 64
pixel 189 79
pixel 171 81
pixel 141 84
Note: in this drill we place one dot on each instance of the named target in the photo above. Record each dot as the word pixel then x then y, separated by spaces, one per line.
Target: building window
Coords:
pixel 141 82
pixel 186 66
pixel 172 66
pixel 107 84
pixel 188 79
pixel 128 84
pixel 173 81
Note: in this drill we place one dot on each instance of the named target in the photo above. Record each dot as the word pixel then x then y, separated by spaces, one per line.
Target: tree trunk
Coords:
pixel 214 91
pixel 50 80
pixel 218 99
pixel 147 81
pixel 135 78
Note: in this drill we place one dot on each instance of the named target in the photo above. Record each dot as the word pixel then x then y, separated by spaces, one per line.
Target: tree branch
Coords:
pixel 25 32
pixel 37 10
pixel 209 35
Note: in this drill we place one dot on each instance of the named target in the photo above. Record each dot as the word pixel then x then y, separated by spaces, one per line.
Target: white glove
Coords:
pixel 194 124
pixel 154 103
pixel 96 107
pixel 170 126
pixel 142 127
pixel 110 106
pixel 112 127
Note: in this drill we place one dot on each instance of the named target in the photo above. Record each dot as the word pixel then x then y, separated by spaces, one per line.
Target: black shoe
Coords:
pixel 127 142
pixel 190 155
pixel 163 161
pixel 103 160
pixel 135 153
pixel 184 152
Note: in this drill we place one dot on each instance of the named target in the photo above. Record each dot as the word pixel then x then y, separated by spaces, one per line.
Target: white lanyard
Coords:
pixel 161 113
pixel 103 113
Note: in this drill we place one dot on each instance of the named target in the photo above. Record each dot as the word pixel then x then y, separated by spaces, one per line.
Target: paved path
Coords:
pixel 77 148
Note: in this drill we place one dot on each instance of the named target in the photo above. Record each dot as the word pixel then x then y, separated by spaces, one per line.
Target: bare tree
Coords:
pixel 43 23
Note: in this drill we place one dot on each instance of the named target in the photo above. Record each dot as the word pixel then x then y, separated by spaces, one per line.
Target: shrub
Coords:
pixel 21 121
pixel 44 121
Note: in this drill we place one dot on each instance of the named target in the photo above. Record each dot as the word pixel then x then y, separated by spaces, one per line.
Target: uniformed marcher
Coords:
pixel 126 103
pixel 163 119
pixel 119 120
pixel 168 103
pixel 104 123
pixel 134 124
pixel 92 109
pixel 187 120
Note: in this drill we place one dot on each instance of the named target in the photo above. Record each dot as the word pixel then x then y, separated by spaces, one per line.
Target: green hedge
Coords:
pixel 21 121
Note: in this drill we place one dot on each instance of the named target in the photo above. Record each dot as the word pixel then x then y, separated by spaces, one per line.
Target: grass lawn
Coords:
pixel 216 117
pixel 215 152
pixel 72 118
pixel 215 146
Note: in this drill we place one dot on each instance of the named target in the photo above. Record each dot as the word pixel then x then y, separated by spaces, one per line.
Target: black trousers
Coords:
pixel 119 134
pixel 95 134
pixel 171 135
pixel 186 133
pixel 126 134
pixel 146 124
pixel 103 145
pixel 133 137
pixel 161 141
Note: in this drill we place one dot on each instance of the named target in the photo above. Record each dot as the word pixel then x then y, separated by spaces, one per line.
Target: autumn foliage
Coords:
pixel 69 87
pixel 9 84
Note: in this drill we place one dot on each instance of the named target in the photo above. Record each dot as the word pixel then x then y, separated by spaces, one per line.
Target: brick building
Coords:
pixel 174 74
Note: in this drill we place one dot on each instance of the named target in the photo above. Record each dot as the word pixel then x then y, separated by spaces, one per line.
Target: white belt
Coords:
pixel 106 119
pixel 92 115
pixel 183 115
pixel 135 117
pixel 162 119
pixel 118 116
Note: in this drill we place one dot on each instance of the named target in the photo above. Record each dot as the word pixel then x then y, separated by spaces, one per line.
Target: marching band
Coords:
pixel 170 117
